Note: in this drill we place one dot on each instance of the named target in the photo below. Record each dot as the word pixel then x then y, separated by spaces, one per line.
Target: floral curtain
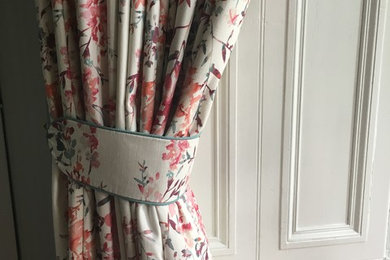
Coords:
pixel 150 66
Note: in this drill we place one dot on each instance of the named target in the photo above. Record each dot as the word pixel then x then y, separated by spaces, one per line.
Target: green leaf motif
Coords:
pixel 168 242
pixel 139 181
pixel 60 145
pixel 104 201
pixel 218 10
pixel 69 153
pixel 86 211
pixel 170 174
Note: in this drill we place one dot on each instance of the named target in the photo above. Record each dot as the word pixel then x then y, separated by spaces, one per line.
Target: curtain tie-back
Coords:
pixel 138 167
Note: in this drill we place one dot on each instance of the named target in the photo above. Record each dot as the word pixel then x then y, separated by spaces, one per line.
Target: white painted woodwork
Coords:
pixel 321 188
pixel 328 99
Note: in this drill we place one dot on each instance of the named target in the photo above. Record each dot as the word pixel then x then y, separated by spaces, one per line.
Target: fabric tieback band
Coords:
pixel 138 167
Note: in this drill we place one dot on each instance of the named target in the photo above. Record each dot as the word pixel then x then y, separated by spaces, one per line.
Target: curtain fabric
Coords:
pixel 150 66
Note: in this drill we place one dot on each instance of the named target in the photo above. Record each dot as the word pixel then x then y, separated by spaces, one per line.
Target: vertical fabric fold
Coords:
pixel 218 32
pixel 151 38
pixel 122 50
pixel 134 61
pixel 112 57
pixel 173 66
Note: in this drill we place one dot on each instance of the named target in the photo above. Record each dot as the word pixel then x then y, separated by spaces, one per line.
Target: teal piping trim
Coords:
pixel 123 197
pixel 121 130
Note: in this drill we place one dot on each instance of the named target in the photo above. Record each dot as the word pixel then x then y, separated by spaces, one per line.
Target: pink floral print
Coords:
pixel 151 66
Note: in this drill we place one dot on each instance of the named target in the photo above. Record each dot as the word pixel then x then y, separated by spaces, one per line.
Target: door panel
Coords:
pixel 322 183
pixel 327 105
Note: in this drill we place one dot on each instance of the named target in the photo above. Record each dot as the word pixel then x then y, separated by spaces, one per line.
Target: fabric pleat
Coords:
pixel 151 66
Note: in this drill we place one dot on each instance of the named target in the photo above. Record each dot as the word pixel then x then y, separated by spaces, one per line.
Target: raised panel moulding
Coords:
pixel 224 240
pixel 355 227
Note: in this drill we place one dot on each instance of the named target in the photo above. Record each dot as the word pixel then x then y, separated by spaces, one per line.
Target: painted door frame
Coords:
pixel 8 242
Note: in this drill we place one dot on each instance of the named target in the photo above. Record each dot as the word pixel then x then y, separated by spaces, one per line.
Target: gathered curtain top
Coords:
pixel 138 167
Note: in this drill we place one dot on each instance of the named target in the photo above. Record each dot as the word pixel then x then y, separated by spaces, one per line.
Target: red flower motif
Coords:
pixel 68 133
pixel 139 2
pixel 83 179
pixel 186 227
pixel 183 145
pixel 51 90
pixel 141 188
pixel 76 233
pixel 92 140
pixel 108 222
pixel 92 88
pixel 147 232
pixel 78 167
pixel 92 129
pixel 94 12
pixel 175 151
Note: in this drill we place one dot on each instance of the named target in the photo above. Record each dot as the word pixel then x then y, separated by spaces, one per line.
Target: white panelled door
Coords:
pixel 295 161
